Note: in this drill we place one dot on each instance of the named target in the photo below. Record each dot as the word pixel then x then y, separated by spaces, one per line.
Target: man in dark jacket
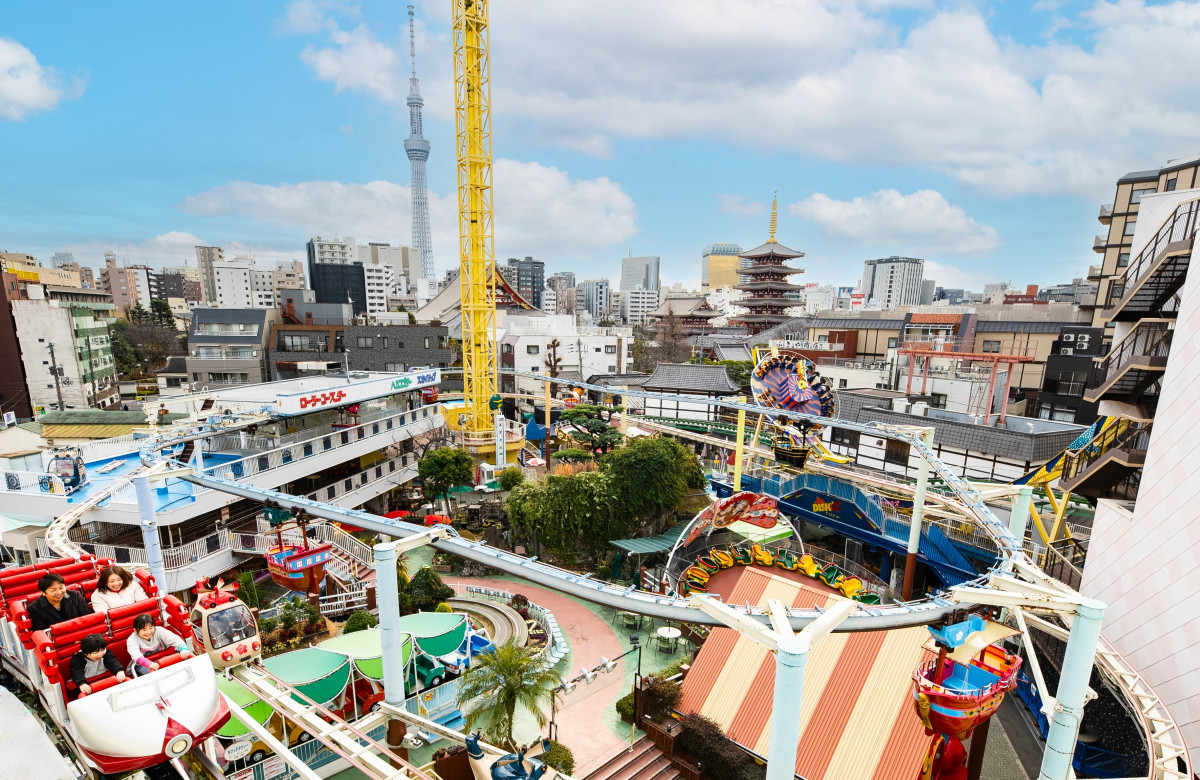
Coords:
pixel 56 603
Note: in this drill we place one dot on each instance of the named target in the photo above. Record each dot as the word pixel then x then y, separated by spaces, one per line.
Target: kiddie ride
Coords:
pixel 522 765
pixel 298 567
pixel 791 382
pixel 763 512
pixel 960 689
pixel 119 727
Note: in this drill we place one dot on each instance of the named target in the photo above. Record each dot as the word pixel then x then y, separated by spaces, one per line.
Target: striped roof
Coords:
pixel 856 720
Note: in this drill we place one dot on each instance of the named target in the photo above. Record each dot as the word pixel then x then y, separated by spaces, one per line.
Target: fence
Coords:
pixel 557 646
pixel 31 482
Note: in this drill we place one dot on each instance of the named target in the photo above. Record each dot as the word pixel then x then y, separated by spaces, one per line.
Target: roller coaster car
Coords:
pixel 808 566
pixel 67 465
pixel 709 564
pixel 867 597
pixel 696 574
pixel 761 556
pixel 742 557
pixel 786 559
pixel 850 586
pixel 721 557
pixel 831 575
pixel 224 627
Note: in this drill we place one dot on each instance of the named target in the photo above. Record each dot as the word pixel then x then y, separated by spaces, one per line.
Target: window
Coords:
pixel 896 452
pixel 610 349
pixel 1122 260
pixel 365 342
pixel 1071 383
pixel 938 400
pixel 535 369
pixel 426 342
pixel 597 349
pixel 893 342
pixel 532 349
pixel 1171 184
pixel 398 367
pixel 506 349
pixel 1136 197
pixel 843 437
pixel 991 346
pixel 1130 226
pixel 823 338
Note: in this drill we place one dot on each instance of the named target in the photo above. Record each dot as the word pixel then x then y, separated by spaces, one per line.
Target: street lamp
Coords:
pixel 588 676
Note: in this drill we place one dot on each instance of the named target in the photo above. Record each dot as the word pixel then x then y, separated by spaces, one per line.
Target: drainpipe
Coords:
pixel 150 538
pixel 387 594
pixel 1072 690
pixel 918 513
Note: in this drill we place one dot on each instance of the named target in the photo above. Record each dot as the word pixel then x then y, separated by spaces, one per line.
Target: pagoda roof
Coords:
pixel 767 284
pixel 763 269
pixel 758 303
pixel 771 249
pixel 774 318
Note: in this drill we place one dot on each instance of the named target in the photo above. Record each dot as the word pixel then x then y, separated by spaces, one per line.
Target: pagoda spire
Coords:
pixel 774 217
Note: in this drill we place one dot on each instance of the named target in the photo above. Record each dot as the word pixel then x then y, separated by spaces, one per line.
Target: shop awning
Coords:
pixel 651 544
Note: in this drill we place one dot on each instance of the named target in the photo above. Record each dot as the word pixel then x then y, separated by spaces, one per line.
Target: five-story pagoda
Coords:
pixel 765 282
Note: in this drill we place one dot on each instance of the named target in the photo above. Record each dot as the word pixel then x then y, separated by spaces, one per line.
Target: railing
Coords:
pixel 109 448
pixel 291 451
pixel 1178 227
pixel 174 558
pixel 1106 211
pixel 1124 436
pixel 264 538
pixel 1148 339
pixel 31 482
pixel 556 647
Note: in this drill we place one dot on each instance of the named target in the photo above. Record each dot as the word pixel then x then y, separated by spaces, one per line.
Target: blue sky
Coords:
pixel 982 137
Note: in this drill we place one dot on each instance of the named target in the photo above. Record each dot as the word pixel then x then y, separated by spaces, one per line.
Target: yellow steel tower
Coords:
pixel 473 123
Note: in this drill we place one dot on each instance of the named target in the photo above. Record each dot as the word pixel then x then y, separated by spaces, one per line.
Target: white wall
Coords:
pixel 1146 568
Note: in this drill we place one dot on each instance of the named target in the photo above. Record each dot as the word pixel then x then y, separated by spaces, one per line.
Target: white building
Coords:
pixel 593 296
pixel 525 343
pixel 636 304
pixel 238 283
pixel 819 298
pixel 893 281
pixel 550 300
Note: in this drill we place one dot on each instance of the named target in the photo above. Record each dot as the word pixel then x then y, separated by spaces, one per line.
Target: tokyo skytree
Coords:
pixel 417 149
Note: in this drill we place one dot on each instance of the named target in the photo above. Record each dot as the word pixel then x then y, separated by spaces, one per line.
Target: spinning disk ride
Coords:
pixel 791 382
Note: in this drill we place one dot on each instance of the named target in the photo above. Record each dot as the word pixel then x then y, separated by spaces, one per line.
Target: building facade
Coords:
pixel 205 257
pixel 593 296
pixel 719 264
pixel 229 346
pixel 528 276
pixel 121 284
pixel 893 281
pixel 766 292
pixel 639 272
pixel 637 305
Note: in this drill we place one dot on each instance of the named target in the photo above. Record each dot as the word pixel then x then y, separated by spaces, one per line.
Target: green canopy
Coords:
pixel 755 533
pixel 645 545
pixel 365 649
pixel 436 633
pixel 254 707
pixel 318 674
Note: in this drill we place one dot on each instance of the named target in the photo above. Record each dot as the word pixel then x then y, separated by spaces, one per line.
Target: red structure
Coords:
pixel 765 282
pixel 928 350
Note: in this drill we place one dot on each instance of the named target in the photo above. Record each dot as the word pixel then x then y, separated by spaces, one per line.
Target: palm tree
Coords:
pixel 510 676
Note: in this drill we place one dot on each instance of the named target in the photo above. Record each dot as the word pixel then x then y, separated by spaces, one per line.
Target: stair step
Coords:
pixel 634 769
pixel 618 761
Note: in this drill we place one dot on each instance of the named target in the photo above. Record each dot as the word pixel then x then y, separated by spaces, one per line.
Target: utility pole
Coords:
pixel 57 379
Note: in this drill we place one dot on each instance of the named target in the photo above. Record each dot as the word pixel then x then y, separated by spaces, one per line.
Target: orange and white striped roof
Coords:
pixel 856 720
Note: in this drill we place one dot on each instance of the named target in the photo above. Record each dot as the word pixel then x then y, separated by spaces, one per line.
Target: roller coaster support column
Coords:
pixel 150 538
pixel 1072 690
pixel 546 441
pixel 918 513
pixel 387 593
pixel 739 446
pixel 1019 518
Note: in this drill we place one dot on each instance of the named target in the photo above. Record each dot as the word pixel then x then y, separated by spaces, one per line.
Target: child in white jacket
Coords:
pixel 147 639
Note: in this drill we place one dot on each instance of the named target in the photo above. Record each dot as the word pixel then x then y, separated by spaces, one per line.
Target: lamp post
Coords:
pixel 587 676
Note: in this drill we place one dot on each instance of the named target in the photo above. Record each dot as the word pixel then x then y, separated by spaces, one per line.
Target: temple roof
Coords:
pixel 770 249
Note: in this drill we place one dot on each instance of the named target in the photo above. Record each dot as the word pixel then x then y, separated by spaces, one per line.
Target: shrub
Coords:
pixel 359 620
pixel 704 739
pixel 661 696
pixel 625 707
pixel 518 601
pixel 443 607
pixel 559 757
pixel 267 625
pixel 671 669
pixel 509 478
pixel 572 455
pixel 287 619
pixel 427 589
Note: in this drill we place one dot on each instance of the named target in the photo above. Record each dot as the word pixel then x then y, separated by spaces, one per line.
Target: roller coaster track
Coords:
pixel 507 624
pixel 1013 569
pixel 57 538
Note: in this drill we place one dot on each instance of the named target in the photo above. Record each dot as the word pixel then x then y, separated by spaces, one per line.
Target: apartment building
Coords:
pixel 239 283
pixel 206 256
pixel 229 346
pixel 637 305
pixel 27 268
pixel 528 276
pixel 893 281
pixel 124 285
pixel 526 339
pixel 593 296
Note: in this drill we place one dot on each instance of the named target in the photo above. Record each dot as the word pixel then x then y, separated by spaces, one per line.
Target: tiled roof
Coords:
pixel 856 719
pixel 570 376
pixel 732 352
pixel 685 307
pixel 1019 326
pixel 175 365
pixel 690 378
pixel 771 248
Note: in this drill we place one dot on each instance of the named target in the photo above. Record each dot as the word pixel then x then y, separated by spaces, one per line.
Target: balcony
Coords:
pixel 1110 466
pixel 1100 244
pixel 1133 365
pixel 1155 276
pixel 1106 212
pixel 1095 273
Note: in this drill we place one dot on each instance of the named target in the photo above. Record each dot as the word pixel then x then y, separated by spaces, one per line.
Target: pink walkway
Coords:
pixel 581 722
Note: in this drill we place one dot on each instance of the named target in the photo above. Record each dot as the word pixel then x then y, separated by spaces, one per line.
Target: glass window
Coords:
pixel 843 437
pixel 610 349
pixel 426 342
pixel 532 349
pixel 1122 260
pixel 893 342
pixel 1130 226
pixel 229 626
pixel 1136 197
pixel 365 342
pixel 1171 184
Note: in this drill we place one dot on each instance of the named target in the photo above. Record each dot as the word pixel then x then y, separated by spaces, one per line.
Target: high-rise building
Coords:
pixel 528 276
pixel 287 277
pixel 719 264
pixel 639 272
pixel 342 251
pixel 637 304
pixel 417 149
pixel 62 260
pixel 240 284
pixel 205 257
pixel 561 281
pixel 893 281
pixel 122 284
pixel 549 302
pixel 594 295
pixel 765 287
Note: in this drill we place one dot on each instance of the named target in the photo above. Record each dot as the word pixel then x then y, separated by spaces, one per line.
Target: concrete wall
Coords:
pixel 1146 566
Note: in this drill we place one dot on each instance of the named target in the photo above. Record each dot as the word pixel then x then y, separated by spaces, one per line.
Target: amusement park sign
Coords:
pixel 813 346
pixel 375 386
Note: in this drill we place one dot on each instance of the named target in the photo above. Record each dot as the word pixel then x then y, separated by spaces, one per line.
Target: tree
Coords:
pixel 573 455
pixel 359 620
pixel 161 314
pixel 652 476
pixel 672 339
pixel 442 469
pixel 510 477
pixel 642 349
pixel 427 590
pixel 738 371
pixel 139 316
pixel 569 513
pixel 553 361
pixel 501 681
pixel 591 426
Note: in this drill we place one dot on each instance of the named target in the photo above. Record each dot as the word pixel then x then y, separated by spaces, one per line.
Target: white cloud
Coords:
pixel 171 248
pixel 833 78
pixel 923 223
pixel 738 206
pixel 538 210
pixel 27 86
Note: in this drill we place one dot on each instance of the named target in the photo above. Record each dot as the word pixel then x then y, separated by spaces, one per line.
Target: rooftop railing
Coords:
pixel 1178 227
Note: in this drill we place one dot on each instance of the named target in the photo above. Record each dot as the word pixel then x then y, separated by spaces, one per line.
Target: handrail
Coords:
pixel 1149 338
pixel 1178 227
pixel 31 482
pixel 1125 435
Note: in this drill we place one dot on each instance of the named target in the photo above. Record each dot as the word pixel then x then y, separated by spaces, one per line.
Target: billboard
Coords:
pixel 305 402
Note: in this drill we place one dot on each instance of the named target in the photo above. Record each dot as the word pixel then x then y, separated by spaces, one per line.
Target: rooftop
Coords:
pixel 690 378
pixel 771 249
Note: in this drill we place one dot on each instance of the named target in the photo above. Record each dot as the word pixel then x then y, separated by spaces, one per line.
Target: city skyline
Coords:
pixel 310 144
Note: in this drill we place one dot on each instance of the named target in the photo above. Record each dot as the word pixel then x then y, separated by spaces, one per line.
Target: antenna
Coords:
pixel 412 39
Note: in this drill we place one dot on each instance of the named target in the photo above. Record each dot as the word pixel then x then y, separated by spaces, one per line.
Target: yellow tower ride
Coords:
pixel 473 123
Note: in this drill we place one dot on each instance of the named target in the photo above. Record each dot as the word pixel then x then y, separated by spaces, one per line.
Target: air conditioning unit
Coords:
pixel 1068 337
pixel 1066 351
